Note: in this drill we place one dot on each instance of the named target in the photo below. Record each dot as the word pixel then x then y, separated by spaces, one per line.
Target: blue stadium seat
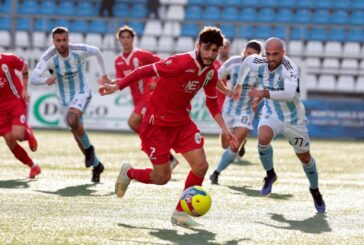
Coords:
pixel 196 2
pixel 230 14
pixel 266 15
pixel 5 7
pixel 321 16
pixel 303 16
pixel 66 8
pixel 324 4
pixel 299 33
pixel 318 34
pixel 337 34
pixel 113 26
pixel 28 7
pixel 340 17
pixel 358 4
pixel 121 10
pixel 285 16
pixel 211 13
pixel 355 35
pixel 43 25
pixel 47 7
pixel 215 2
pixel 306 4
pixel 138 11
pixel 193 12
pixel 263 32
pixel 98 26
pixel 269 3
pixel 250 3
pixel 246 32
pixel 343 4
pixel 248 15
pixel 228 31
pixel 138 27
pixel 62 22
pixel 85 8
pixel 190 30
pixel 280 32
pixel 357 17
pixel 235 3
pixel 80 26
pixel 23 24
pixel 287 4
pixel 5 23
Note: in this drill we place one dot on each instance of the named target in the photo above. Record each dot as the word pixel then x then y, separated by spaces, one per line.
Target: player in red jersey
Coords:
pixel 130 59
pixel 167 123
pixel 13 109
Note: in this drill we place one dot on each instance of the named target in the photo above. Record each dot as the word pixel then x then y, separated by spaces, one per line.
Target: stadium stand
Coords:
pixel 326 35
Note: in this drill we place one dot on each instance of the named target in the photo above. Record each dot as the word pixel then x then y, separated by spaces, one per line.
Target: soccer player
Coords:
pixel 65 63
pixel 13 110
pixel 167 123
pixel 282 113
pixel 130 59
pixel 236 113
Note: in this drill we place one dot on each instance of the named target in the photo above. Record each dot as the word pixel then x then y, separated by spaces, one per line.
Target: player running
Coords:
pixel 236 113
pixel 65 62
pixel 167 123
pixel 13 110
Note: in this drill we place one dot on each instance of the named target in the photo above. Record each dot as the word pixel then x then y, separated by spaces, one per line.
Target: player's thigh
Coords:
pixel 241 133
pixel 224 141
pixel 268 128
pixel 298 137
pixel 135 120
pixel 18 132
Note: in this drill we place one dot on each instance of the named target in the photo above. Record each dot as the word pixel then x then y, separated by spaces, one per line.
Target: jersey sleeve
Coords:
pixel 41 66
pixel 170 67
pixel 211 97
pixel 17 63
pixel 150 58
pixel 225 69
pixel 118 72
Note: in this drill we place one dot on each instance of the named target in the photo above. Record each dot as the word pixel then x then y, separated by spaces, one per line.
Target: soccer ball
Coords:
pixel 195 201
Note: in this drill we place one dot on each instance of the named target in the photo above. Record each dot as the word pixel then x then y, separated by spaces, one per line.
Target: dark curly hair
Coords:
pixel 211 35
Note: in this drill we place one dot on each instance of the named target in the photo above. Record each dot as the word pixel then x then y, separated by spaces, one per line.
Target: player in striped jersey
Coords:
pixel 236 113
pixel 282 113
pixel 65 63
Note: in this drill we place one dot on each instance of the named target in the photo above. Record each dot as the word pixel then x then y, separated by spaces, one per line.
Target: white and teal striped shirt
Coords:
pixel 283 85
pixel 68 71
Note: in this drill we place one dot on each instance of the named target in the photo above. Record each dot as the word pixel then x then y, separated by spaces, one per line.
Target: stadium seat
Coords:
pixel 235 3
pixel 211 13
pixel 165 44
pixel 357 4
pixel 295 48
pixel 85 8
pixel 337 34
pixel 28 7
pixel 148 42
pixel 5 6
pixel 345 83
pixel 287 4
pixel 66 8
pixel 340 17
pixel 138 11
pixel 113 26
pixel 326 83
pixel 359 85
pixel 153 28
pixel 228 31
pixel 355 35
pixel 94 39
pixel 76 37
pixel 266 15
pixel 248 15
pixel 98 26
pixel 333 49
pixel 303 16
pixel 4 38
pixel 196 2
pixel 184 44
pixel 23 24
pixel 5 23
pixel 314 48
pixel 280 32
pixel 190 30
pixel 43 25
pixel 237 45
pixel 246 32
pixel 313 62
pixel 193 12
pixel 263 32
pixel 357 17
pixel 39 39
pixel 307 4
pixel 299 33
pixel 230 14
pixel 80 25
pixel 351 49
pixel 121 10
pixel 62 22
pixel 285 16
pixel 343 4
pixel 324 4
pixel 22 39
pixel 47 7
pixel 330 63
pixel 321 16
pixel 137 26
pixel 171 29
pixel 178 2
pixel 109 42
pixel 250 3
pixel 269 3
pixel 215 3
pixel 311 82
pixel 175 12
pixel 349 64
pixel 318 34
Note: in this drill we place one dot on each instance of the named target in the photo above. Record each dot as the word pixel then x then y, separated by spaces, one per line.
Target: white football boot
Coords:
pixel 182 219
pixel 123 181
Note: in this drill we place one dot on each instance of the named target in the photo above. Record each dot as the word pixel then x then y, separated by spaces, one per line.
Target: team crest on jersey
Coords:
pixel 22 118
pixel 168 62
pixel 198 138
pixel 136 62
pixel 209 76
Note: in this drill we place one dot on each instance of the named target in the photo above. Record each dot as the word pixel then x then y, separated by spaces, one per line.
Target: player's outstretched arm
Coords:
pixel 108 88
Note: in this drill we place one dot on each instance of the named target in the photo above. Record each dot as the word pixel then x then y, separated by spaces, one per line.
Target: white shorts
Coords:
pixel 239 121
pixel 297 134
pixel 79 102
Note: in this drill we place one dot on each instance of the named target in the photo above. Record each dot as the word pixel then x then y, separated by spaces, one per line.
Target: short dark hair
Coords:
pixel 125 28
pixel 59 30
pixel 211 35
pixel 254 44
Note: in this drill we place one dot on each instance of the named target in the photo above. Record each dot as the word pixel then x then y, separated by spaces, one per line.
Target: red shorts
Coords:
pixel 157 141
pixel 13 115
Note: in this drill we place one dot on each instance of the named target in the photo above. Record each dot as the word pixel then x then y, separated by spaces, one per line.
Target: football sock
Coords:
pixel 96 162
pixel 141 175
pixel 311 173
pixel 85 141
pixel 191 180
pixel 227 157
pixel 266 156
pixel 22 155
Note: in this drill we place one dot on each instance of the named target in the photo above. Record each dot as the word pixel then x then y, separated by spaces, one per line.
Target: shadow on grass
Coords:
pixel 242 162
pixel 314 225
pixel 14 184
pixel 248 191
pixel 199 235
pixel 78 190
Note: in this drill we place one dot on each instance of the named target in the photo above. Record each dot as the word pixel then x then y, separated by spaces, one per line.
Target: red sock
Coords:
pixel 191 180
pixel 22 155
pixel 141 175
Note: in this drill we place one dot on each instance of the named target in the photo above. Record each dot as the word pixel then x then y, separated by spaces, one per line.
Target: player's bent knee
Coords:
pixel 72 120
pixel 264 140
pixel 200 169
pixel 18 135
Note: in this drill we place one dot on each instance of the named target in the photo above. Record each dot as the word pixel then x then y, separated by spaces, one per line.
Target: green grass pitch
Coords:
pixel 62 206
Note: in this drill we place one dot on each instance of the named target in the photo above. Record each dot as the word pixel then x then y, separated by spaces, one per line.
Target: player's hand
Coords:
pixel 107 88
pixel 254 104
pixel 233 141
pixel 50 80
pixel 25 95
pixel 255 93
pixel 105 79
pixel 237 92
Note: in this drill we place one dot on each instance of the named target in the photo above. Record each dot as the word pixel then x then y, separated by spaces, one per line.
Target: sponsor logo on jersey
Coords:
pixel 190 70
pixel 191 86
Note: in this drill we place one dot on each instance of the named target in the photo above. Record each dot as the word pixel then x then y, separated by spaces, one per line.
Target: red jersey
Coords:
pixel 126 63
pixel 11 87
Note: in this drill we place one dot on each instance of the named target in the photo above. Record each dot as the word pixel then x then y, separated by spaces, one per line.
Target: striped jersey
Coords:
pixel 68 71
pixel 286 74
pixel 233 68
